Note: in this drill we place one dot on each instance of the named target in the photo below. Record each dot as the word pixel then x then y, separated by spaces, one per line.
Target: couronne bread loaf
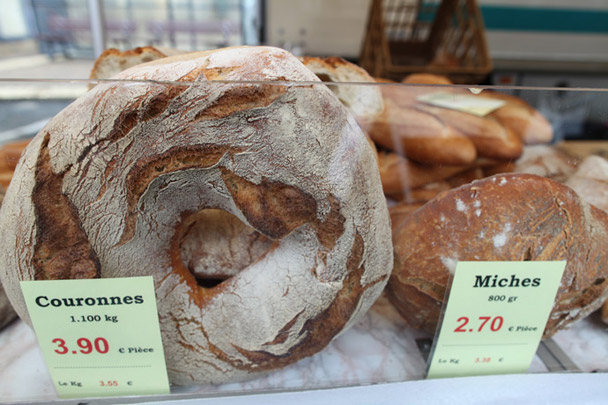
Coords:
pixel 114 185
pixel 507 217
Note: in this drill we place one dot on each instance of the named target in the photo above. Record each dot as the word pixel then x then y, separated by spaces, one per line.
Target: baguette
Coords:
pixel 524 120
pixel 490 138
pixel 418 136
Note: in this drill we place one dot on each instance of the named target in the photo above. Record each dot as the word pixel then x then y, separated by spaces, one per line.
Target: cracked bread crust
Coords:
pixel 127 169
pixel 508 217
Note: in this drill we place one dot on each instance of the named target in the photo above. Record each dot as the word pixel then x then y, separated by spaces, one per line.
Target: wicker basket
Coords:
pixel 411 36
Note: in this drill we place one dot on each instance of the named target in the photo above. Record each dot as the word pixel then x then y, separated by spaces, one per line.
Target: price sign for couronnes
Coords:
pixel 494 318
pixel 99 337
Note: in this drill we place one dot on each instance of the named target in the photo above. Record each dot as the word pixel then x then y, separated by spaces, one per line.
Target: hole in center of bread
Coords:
pixel 216 246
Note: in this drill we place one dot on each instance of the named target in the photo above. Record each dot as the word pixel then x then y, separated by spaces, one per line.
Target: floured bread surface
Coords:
pixel 116 184
pixel 509 217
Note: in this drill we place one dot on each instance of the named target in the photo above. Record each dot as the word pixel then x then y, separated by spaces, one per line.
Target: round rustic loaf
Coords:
pixel 115 184
pixel 508 217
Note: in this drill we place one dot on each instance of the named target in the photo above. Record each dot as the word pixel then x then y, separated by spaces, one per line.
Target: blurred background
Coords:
pixel 548 43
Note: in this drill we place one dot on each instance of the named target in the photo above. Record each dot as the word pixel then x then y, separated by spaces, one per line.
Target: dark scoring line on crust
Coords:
pixel 62 249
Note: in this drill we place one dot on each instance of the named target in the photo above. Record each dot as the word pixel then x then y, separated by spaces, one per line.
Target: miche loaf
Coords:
pixel 507 217
pixel 115 183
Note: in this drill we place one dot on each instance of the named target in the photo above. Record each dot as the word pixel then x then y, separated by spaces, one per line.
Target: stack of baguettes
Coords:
pixel 427 149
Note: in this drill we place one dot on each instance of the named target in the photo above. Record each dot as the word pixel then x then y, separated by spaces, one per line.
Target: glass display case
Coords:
pixel 426 140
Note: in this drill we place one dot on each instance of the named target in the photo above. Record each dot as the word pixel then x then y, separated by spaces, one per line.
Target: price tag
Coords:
pixel 480 106
pixel 495 316
pixel 99 337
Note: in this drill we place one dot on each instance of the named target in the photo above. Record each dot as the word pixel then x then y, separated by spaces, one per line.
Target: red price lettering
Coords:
pixel 460 327
pixel 85 345
pixel 495 323
pixel 100 345
pixel 112 383
pixel 61 345
pixel 485 320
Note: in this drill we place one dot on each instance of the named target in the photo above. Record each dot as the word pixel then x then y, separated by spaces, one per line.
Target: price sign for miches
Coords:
pixel 99 337
pixel 494 318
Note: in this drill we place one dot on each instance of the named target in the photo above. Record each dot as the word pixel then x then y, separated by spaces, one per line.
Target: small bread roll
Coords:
pixel 362 101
